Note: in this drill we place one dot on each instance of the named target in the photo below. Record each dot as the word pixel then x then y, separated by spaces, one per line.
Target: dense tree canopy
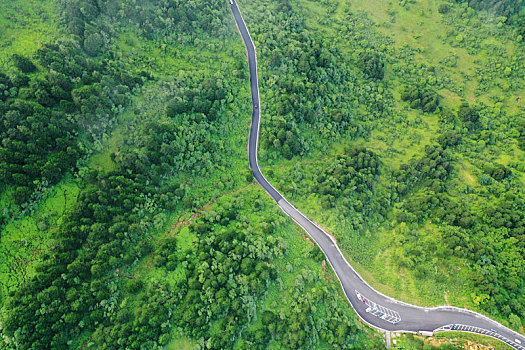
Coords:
pixel 169 238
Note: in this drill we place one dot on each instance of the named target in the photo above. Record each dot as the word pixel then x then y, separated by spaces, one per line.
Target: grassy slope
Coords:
pixel 419 27
pixel 167 65
pixel 25 25
pixel 372 251
pixel 23 240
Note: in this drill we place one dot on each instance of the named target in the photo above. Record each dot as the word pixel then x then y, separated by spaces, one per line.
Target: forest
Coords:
pixel 129 218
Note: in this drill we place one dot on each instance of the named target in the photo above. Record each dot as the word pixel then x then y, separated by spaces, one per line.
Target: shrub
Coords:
pixel 24 64
pixel 443 8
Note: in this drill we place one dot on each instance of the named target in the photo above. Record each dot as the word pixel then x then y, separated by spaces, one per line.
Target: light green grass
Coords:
pixel 461 338
pixel 420 26
pixel 25 25
pixel 180 343
pixel 24 240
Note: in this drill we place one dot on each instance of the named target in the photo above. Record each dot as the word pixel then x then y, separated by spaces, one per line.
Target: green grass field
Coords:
pixel 26 25
pixel 24 240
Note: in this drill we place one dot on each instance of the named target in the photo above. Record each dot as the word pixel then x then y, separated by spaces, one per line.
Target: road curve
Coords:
pixel 373 307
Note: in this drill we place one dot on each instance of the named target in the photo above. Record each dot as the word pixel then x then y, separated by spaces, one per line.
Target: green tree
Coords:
pixel 23 63
pixel 93 44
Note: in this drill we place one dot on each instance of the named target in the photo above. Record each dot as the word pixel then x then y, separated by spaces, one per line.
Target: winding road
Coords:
pixel 374 308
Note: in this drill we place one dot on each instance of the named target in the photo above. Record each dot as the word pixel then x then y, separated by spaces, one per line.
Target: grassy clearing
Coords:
pixel 180 344
pixel 419 25
pixel 101 160
pixel 25 25
pixel 23 241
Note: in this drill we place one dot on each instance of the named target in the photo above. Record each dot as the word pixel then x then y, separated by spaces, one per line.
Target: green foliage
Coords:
pixel 443 8
pixel 202 95
pixel 222 277
pixel 317 90
pixel 44 116
pixel 496 171
pixel 469 116
pixel 184 19
pixel 93 44
pixel 426 195
pixel 372 65
pixel 501 7
pixel 103 220
pixel 351 175
pixel 521 137
pixel 284 136
pixel 23 63
pixel 431 171
pixel 421 97
pixel 37 143
pixel 185 139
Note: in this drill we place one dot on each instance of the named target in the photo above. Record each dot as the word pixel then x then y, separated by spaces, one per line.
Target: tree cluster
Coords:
pixel 94 21
pixel 304 325
pixel 469 116
pixel 184 139
pixel 430 171
pixel 36 143
pixel 502 7
pixel 371 63
pixel 316 85
pixel 421 97
pixel 72 289
pixel 225 271
pixel 283 135
pixel 43 115
pixel 351 175
pixel 521 137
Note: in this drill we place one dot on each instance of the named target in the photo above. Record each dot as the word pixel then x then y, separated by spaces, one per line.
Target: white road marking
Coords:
pixel 375 309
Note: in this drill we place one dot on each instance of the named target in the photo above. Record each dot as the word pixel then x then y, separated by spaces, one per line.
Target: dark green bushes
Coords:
pixel 372 65
pixel 502 7
pixel 352 175
pixel 44 115
pixel 443 8
pixel 225 271
pixel 37 143
pixel 284 136
pixel 469 116
pixel 71 281
pixel 431 171
pixel 24 64
pixel 521 137
pixel 421 97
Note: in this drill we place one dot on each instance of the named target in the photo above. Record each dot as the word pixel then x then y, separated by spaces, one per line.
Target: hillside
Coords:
pixel 129 217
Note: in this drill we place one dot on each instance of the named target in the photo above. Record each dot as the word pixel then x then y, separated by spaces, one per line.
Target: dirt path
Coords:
pixel 179 224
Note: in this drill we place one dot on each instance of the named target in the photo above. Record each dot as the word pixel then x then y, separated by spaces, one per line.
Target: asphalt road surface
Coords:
pixel 374 308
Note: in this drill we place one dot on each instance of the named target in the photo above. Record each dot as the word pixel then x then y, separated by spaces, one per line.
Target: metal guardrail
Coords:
pixel 471 329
